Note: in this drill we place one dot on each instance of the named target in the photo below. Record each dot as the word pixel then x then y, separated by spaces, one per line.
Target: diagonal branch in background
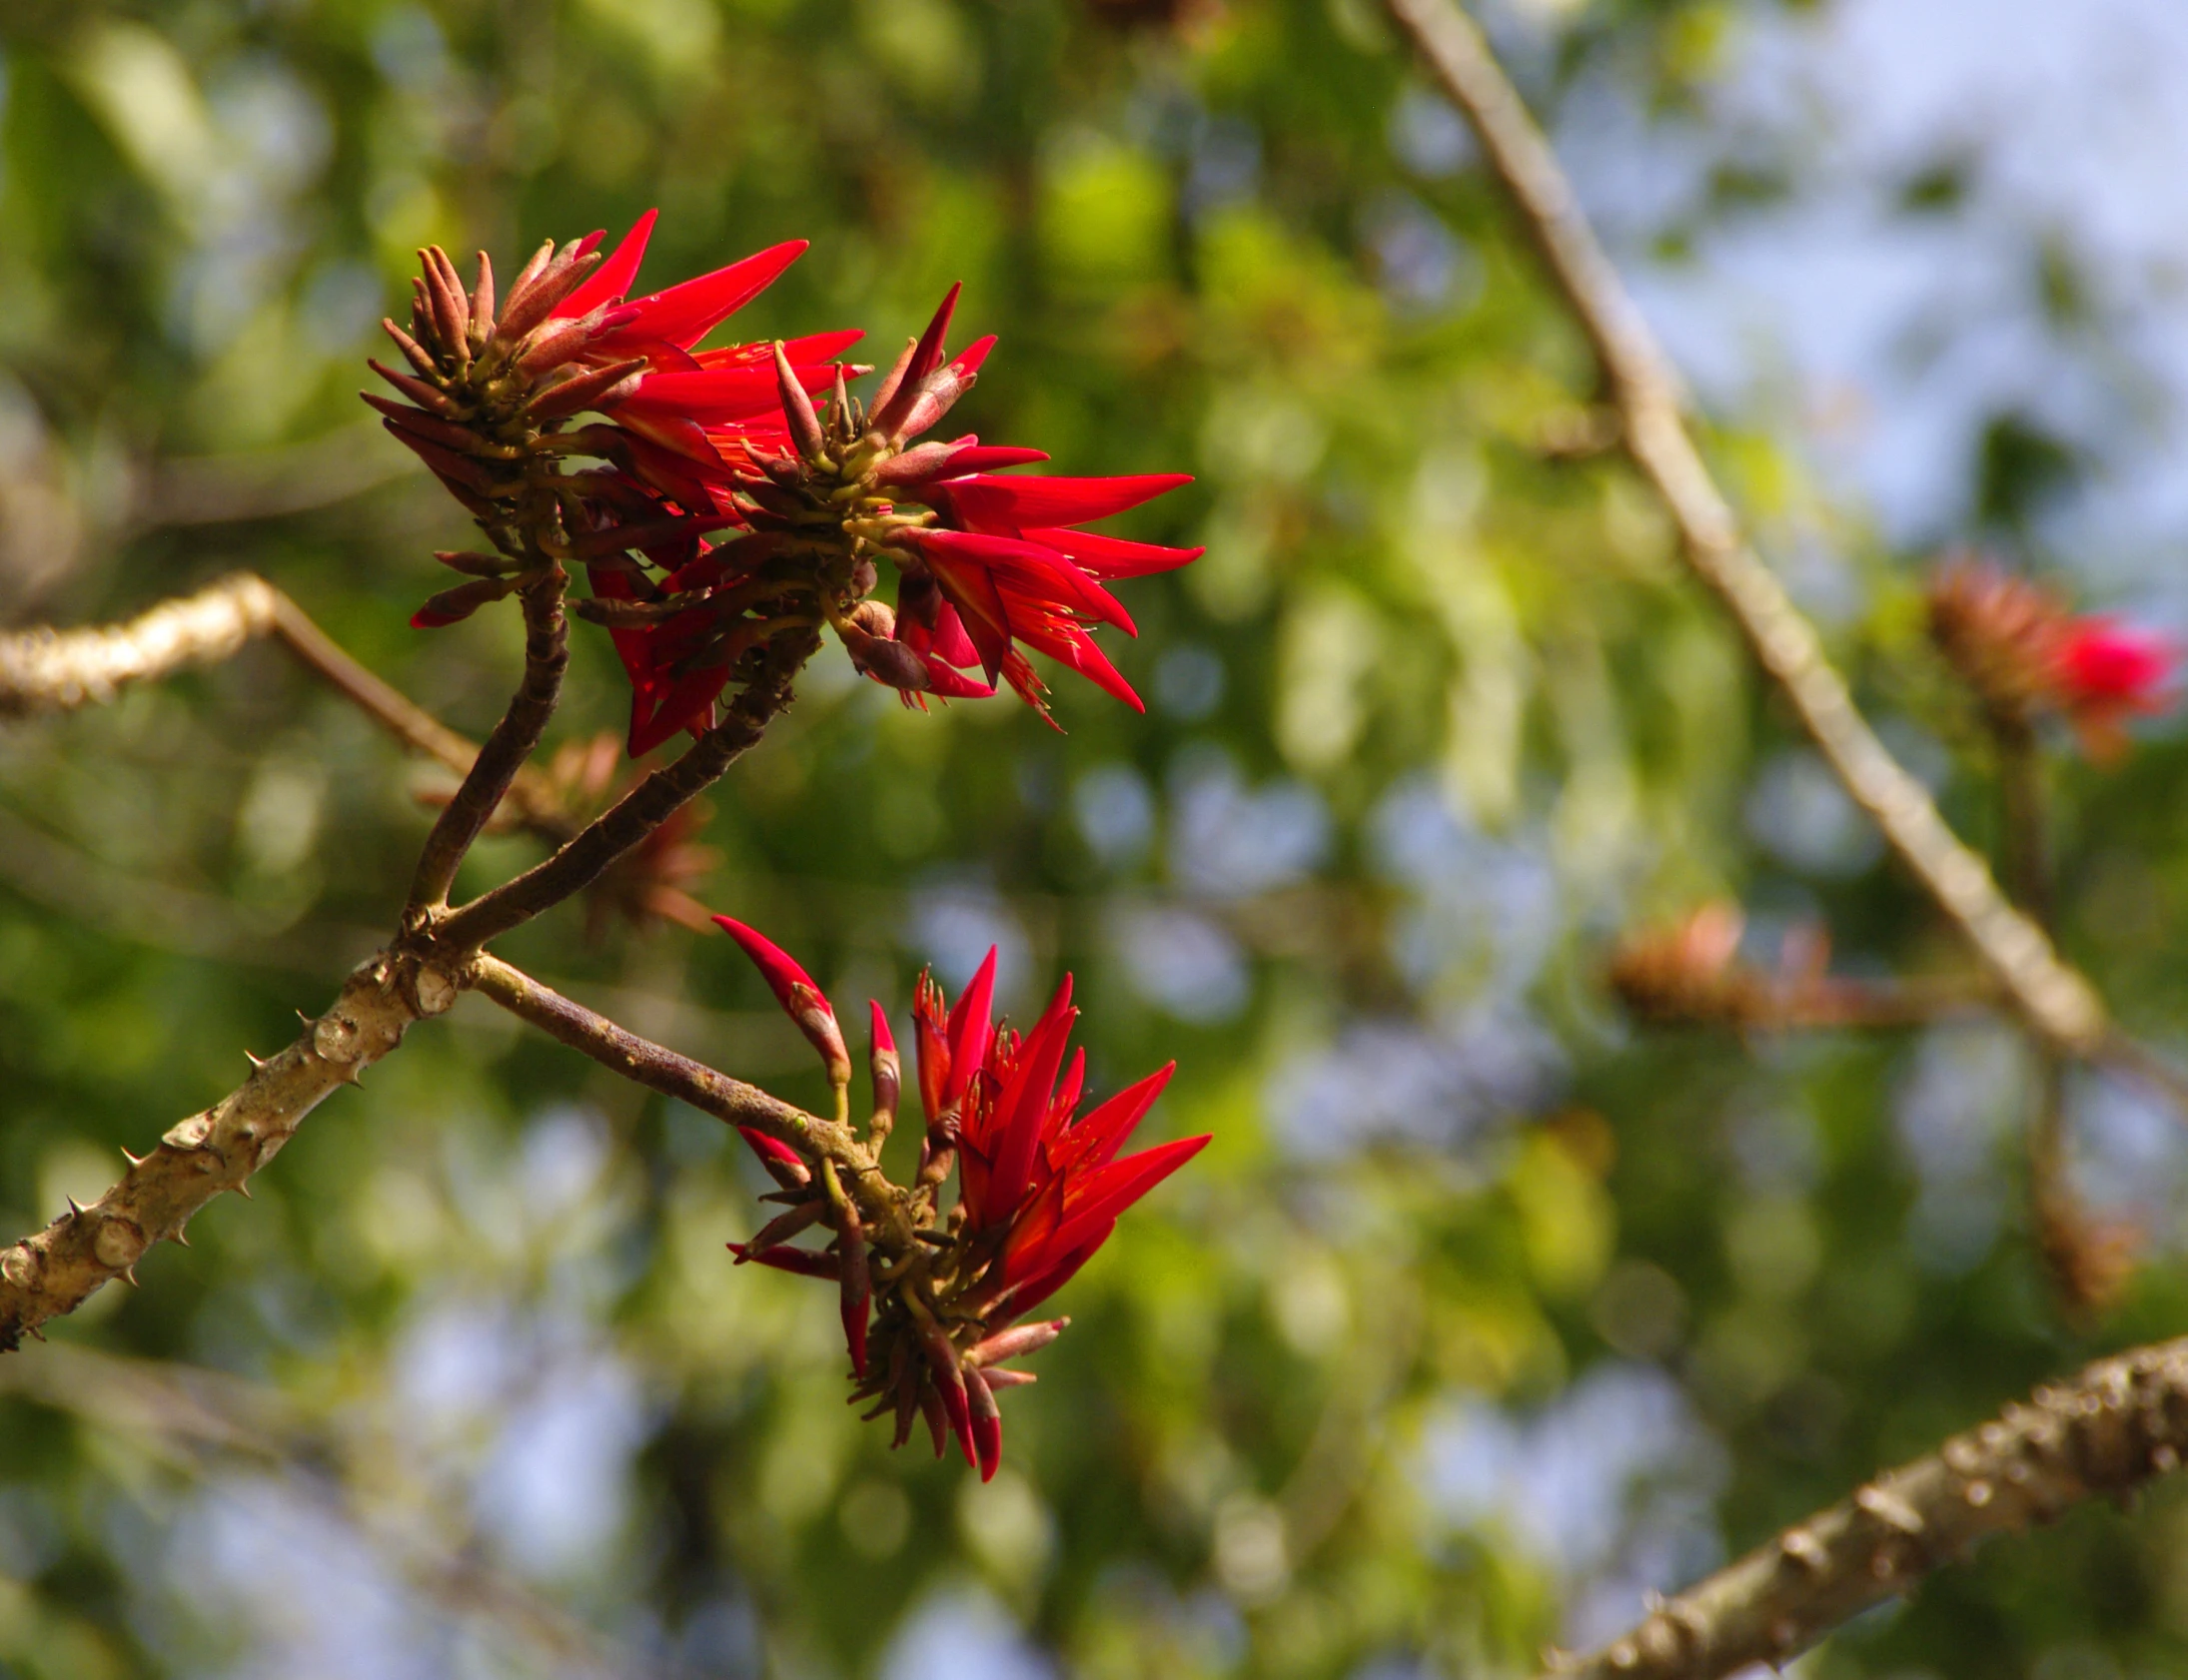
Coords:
pixel 2122 1422
pixel 2052 997
pixel 46 670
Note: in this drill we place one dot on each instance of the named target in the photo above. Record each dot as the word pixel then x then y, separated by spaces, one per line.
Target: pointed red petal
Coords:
pixel 1105 1195
pixel 1023 1103
pixel 1111 557
pixel 989 503
pixel 685 314
pixel 970 1028
pixel 1095 1139
pixel 612 278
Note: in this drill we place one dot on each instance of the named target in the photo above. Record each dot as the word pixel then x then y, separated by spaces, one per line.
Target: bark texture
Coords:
pixel 53 1272
pixel 2120 1424
pixel 48 671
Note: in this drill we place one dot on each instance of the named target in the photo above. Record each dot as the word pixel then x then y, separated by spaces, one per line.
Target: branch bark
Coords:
pixel 580 862
pixel 2052 997
pixel 2120 1424
pixel 46 670
pixel 54 1272
pixel 512 741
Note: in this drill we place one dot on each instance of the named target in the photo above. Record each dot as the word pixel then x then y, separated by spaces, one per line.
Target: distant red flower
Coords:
pixel 1040 1190
pixel 2017 645
pixel 2106 673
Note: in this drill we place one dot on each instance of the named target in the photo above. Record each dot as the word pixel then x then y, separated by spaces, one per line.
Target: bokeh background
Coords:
pixel 1487 1312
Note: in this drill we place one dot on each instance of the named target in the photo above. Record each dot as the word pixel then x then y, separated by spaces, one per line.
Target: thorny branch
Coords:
pixel 2120 1424
pixel 2052 997
pixel 53 1272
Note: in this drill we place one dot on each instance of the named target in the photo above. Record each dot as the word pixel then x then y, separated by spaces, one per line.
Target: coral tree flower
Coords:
pixel 2016 643
pixel 732 511
pixel 932 1312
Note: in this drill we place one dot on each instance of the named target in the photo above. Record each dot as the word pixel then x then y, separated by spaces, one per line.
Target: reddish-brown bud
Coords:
pixel 797 408
pixel 453 606
pixel 1019 1340
pixel 596 387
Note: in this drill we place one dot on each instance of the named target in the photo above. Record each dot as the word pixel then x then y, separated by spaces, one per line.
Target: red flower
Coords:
pixel 1040 1190
pixel 2014 643
pixel 1040 1185
pixel 2105 674
pixel 1003 565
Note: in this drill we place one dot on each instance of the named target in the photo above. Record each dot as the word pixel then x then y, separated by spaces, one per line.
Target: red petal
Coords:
pixel 1108 1193
pixel 1070 645
pixel 986 457
pixel 1036 571
pixel 1095 1139
pixel 655 717
pixel 970 1028
pixel 612 278
pixel 990 502
pixel 1112 557
pixel 1023 1103
pixel 685 314
pixel 883 1040
pixel 1040 1285
pixel 814 347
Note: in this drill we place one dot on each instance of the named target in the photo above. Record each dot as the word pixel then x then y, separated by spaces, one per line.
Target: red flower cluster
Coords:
pixel 702 441
pixel 1040 1189
pixel 2023 652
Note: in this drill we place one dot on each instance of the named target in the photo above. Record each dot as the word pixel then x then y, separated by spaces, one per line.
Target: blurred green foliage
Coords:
pixel 1485 1312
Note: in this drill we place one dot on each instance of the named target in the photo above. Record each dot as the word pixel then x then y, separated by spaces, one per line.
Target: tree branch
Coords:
pixel 2054 998
pixel 514 740
pixel 46 670
pixel 55 1271
pixel 2120 1424
pixel 658 1068
pixel 580 862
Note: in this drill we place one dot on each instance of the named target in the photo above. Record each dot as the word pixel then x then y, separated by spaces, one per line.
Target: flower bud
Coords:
pixel 801 999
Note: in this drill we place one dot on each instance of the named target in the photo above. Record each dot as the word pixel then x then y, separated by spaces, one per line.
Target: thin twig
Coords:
pixel 658 1068
pixel 2055 999
pixel 2120 1424
pixel 510 745
pixel 46 670
pixel 529 798
pixel 580 862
